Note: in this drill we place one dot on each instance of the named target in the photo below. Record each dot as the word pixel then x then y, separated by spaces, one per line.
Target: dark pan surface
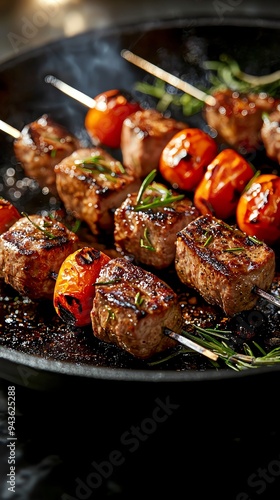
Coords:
pixel 31 335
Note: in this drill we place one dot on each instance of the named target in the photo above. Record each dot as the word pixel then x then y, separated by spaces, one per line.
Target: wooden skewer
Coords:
pixel 71 91
pixel 268 296
pixel 168 77
pixel 192 345
pixel 9 129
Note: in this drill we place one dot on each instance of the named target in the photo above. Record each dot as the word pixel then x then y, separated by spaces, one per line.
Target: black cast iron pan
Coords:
pixel 36 349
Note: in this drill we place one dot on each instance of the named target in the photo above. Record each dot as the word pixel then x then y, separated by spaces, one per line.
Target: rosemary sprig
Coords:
pixel 98 165
pixel 223 73
pixel 164 198
pixel 146 242
pixel 139 299
pixel 208 338
pixel 47 233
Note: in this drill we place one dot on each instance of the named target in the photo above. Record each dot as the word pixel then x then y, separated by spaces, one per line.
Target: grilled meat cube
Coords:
pixel 42 144
pixel 144 136
pixel 223 264
pixel 92 184
pixel 31 253
pixel 270 134
pixel 238 117
pixel 150 234
pixel 133 308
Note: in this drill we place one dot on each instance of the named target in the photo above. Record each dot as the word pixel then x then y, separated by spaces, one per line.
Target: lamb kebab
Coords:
pixel 40 146
pixel 135 307
pixel 31 253
pixel 226 266
pixel 91 184
pixel 147 222
pixel 144 135
pixel 236 117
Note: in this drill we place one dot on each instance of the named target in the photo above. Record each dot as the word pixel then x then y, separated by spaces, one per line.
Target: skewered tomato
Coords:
pixel 104 122
pixel 8 215
pixel 258 209
pixel 185 157
pixel 74 288
pixel 224 180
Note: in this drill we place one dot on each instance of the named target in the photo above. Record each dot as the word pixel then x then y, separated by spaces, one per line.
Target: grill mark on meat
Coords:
pixel 92 195
pixel 30 259
pixel 41 145
pixel 132 311
pixel 145 133
pixel 223 264
pixel 161 224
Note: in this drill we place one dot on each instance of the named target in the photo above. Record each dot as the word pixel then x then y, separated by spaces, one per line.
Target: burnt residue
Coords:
pixel 35 328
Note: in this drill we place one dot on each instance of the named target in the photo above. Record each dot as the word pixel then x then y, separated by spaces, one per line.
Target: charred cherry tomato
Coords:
pixel 104 122
pixel 224 180
pixel 8 215
pixel 74 288
pixel 258 209
pixel 184 159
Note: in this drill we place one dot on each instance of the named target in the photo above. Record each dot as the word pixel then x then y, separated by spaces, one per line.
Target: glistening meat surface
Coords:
pixel 223 263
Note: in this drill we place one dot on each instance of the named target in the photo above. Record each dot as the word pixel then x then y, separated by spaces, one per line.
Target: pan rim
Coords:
pixel 55 367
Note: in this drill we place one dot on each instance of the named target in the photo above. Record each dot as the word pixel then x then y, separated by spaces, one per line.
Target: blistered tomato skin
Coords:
pixel 104 122
pixel 258 209
pixel 185 158
pixel 74 288
pixel 8 215
pixel 224 180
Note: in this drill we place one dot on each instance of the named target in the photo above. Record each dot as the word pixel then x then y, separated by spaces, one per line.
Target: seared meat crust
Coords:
pixel 42 144
pixel 238 117
pixel 270 134
pixel 91 184
pixel 133 309
pixel 30 258
pixel 144 135
pixel 223 264
pixel 149 235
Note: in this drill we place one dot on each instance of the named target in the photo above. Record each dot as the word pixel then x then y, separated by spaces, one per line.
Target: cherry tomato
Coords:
pixel 224 180
pixel 74 288
pixel 258 209
pixel 184 159
pixel 8 215
pixel 104 122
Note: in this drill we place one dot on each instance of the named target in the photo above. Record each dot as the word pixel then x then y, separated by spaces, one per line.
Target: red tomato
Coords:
pixel 258 209
pixel 185 158
pixel 104 122
pixel 74 288
pixel 224 180
pixel 8 215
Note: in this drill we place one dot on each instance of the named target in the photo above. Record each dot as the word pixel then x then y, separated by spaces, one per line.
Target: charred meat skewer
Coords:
pixel 226 266
pixel 31 253
pixel 237 118
pixel 146 226
pixel 132 307
pixel 91 184
pixel 40 146
pixel 144 135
